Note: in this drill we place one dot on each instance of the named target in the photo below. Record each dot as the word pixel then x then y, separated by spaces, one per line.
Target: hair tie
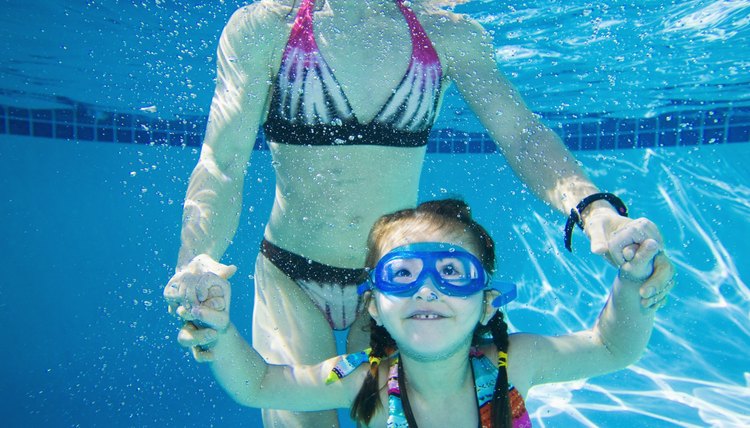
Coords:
pixel 374 360
pixel 502 359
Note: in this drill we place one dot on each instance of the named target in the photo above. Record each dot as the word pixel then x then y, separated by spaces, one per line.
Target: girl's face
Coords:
pixel 430 325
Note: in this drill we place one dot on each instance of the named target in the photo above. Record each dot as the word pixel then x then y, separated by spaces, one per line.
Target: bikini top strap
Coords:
pixel 422 49
pixel 302 36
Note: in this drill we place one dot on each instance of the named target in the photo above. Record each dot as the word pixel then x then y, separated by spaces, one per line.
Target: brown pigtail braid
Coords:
pixel 501 411
pixel 368 397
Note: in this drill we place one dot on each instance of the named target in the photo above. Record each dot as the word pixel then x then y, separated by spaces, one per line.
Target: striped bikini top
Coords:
pixel 308 106
pixel 485 377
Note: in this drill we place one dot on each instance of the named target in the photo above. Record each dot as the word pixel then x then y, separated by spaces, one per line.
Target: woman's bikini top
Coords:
pixel 485 377
pixel 308 106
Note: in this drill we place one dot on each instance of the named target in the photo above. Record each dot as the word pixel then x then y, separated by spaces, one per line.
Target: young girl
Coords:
pixel 433 308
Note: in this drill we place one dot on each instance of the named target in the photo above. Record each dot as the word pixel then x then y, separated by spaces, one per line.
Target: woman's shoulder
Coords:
pixel 265 14
pixel 443 22
pixel 451 33
pixel 258 27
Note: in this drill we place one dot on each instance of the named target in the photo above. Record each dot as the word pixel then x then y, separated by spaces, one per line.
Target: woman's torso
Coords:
pixel 329 195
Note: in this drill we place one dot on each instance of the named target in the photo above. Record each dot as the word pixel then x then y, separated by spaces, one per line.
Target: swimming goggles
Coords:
pixel 454 271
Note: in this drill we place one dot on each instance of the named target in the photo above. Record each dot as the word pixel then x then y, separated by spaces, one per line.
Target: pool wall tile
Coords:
pixel 647 124
pixel 64 116
pixel 680 128
pixel 607 142
pixel 42 129
pixel 739 134
pixel 646 139
pixel 105 135
pixel 668 138
pixel 626 141
pixel 64 131
pixel 21 113
pixel 85 133
pixel 668 121
pixel 19 127
pixel 124 136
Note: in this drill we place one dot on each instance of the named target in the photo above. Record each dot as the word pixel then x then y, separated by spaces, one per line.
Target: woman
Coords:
pixel 347 92
pixel 432 302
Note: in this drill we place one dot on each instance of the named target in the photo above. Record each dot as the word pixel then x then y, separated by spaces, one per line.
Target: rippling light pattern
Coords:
pixel 695 370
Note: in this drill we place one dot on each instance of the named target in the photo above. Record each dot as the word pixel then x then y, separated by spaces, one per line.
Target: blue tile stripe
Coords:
pixel 683 128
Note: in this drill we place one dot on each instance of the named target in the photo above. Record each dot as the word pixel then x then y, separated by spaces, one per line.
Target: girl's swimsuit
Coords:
pixel 485 376
pixel 308 107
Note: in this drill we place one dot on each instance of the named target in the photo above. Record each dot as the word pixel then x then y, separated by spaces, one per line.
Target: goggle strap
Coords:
pixel 508 293
pixel 365 286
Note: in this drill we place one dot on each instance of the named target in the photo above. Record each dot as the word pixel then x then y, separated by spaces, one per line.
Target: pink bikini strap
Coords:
pixel 422 50
pixel 302 36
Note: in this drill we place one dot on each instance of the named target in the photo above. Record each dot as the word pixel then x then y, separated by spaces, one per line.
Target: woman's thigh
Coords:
pixel 287 326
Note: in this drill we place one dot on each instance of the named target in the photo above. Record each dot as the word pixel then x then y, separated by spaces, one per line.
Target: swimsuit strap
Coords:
pixel 302 36
pixel 421 50
pixel 396 416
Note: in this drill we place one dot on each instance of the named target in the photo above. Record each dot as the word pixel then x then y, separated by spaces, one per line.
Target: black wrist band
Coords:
pixel 575 213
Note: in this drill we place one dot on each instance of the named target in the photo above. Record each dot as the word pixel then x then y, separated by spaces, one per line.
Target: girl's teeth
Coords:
pixel 426 316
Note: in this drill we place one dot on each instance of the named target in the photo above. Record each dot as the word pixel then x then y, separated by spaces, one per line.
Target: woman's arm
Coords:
pixel 214 195
pixel 534 152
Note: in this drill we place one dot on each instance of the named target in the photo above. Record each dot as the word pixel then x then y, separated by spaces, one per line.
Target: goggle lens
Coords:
pixel 456 270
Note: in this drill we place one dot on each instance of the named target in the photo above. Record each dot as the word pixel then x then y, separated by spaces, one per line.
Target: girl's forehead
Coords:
pixel 460 238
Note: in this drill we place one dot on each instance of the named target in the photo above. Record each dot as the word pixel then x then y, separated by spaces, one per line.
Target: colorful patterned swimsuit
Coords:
pixel 485 376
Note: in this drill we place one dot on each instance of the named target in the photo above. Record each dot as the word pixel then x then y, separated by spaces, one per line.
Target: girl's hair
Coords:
pixel 451 215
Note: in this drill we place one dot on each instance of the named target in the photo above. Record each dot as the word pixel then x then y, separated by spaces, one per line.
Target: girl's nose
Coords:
pixel 427 291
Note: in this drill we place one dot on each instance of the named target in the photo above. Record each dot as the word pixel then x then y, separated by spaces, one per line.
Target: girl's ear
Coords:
pixel 489 310
pixel 372 307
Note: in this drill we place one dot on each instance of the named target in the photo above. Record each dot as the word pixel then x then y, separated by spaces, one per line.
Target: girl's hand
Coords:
pixel 653 270
pixel 616 237
pixel 200 294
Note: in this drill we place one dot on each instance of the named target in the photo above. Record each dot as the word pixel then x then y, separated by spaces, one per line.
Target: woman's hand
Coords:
pixel 200 294
pixel 617 237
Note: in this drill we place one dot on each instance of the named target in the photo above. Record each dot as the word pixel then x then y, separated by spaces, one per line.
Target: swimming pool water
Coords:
pixel 91 232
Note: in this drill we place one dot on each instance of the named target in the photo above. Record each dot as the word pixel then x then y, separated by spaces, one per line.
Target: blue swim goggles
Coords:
pixel 454 271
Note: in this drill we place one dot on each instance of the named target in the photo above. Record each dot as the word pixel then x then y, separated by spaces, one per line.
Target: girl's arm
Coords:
pixel 204 304
pixel 251 381
pixel 618 338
